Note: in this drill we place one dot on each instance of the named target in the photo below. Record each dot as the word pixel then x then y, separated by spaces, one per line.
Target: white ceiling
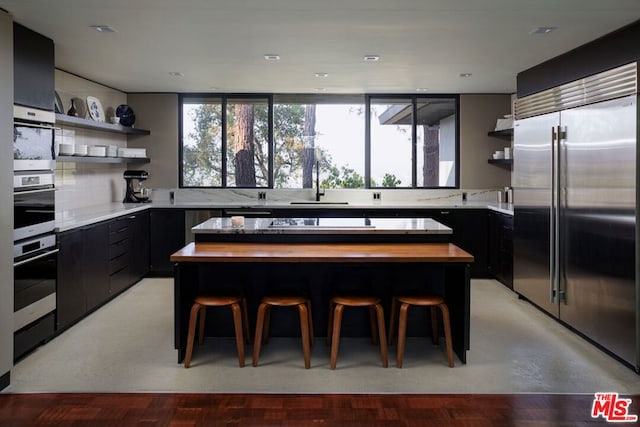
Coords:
pixel 219 45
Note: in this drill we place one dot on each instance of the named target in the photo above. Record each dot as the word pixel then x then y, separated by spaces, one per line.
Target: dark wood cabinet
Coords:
pixel 71 302
pixel 501 248
pixel 166 236
pixel 94 265
pixel 470 232
pixel 82 280
pixel 97 262
pixel 33 69
pixel 140 261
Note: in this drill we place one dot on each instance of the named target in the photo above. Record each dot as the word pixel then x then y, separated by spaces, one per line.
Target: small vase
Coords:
pixel 72 111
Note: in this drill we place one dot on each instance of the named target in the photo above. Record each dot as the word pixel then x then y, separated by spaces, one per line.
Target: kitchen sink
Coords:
pixel 313 202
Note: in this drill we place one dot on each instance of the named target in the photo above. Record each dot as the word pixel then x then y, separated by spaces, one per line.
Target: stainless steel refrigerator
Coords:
pixel 575 207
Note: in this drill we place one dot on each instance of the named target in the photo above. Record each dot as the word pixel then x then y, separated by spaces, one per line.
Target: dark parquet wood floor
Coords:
pixel 182 410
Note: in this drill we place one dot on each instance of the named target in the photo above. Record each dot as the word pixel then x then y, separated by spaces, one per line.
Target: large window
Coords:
pixel 315 135
pixel 347 141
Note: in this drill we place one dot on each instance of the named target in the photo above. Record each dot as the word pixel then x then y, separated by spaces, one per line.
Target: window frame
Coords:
pixel 272 98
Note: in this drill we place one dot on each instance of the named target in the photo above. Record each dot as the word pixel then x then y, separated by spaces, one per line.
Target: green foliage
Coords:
pixel 390 181
pixel 344 177
pixel 202 160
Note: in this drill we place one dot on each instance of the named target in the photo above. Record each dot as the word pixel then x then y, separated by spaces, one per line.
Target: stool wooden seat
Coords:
pixel 376 317
pixel 238 306
pixel 263 320
pixel 431 301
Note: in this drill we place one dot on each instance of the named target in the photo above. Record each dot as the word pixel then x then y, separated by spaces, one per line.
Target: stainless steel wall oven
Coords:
pixel 33 137
pixel 35 250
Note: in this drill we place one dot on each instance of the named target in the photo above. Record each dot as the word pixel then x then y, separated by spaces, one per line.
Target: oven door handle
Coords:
pixel 39 190
pixel 35 125
pixel 23 262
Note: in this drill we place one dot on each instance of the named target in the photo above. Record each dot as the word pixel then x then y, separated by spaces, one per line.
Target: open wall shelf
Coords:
pixel 90 159
pixel 104 127
pixel 504 133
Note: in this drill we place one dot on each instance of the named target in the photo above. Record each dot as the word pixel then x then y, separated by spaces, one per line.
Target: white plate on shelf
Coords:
pixel 97 151
pixel 95 109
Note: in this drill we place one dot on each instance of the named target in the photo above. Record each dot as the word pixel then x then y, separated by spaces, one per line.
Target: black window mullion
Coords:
pixel 223 162
pixel 270 144
pixel 367 142
pixel 414 142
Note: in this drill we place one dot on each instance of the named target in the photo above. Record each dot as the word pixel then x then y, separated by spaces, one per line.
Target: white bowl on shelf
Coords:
pixel 81 150
pixel 66 149
pixel 97 151
pixel 498 155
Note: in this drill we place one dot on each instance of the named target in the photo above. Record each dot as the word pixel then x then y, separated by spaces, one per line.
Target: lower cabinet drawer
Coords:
pixel 33 335
pixel 119 280
pixel 118 263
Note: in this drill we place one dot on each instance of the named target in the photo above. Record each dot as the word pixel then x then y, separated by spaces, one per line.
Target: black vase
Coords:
pixel 72 111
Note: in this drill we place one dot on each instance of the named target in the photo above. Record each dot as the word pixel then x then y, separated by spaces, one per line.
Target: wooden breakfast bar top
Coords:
pixel 322 269
pixel 322 252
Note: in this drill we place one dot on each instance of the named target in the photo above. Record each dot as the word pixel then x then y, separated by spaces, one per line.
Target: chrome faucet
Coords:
pixel 318 192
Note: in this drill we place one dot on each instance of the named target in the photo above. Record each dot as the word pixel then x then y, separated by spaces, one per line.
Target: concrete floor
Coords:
pixel 127 346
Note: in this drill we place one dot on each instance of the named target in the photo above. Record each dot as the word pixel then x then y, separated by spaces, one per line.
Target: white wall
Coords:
pixel 159 114
pixel 6 193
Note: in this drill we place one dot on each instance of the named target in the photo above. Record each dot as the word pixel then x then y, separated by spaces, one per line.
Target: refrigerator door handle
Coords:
pixel 560 211
pixel 553 282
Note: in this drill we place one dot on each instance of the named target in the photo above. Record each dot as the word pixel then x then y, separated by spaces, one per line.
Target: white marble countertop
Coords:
pixel 241 225
pixel 70 219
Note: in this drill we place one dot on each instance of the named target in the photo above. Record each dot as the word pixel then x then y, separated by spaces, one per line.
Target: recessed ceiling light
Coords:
pixel 465 75
pixel 371 58
pixel 214 88
pixel 103 28
pixel 422 89
pixel 542 30
pixel 176 74
pixel 322 74
pixel 272 57
pixel 320 89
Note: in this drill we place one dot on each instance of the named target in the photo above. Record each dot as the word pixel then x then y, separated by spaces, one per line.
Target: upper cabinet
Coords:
pixel 33 69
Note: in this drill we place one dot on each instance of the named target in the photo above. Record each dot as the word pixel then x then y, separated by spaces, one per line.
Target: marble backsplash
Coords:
pixel 204 196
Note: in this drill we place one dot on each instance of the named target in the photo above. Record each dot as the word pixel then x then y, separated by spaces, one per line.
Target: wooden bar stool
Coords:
pixel 264 317
pixel 376 317
pixel 238 306
pixel 425 301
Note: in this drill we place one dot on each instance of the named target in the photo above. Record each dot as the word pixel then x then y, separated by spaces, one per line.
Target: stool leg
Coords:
pixel 245 321
pixel 335 339
pixel 304 330
pixel 332 306
pixel 237 325
pixel 267 325
pixel 447 332
pixel 434 326
pixel 402 333
pixel 257 341
pixel 191 334
pixel 383 338
pixel 392 319
pixel 311 333
pixel 372 323
pixel 203 316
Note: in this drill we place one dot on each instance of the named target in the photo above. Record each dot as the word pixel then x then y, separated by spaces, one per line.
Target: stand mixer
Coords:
pixel 135 191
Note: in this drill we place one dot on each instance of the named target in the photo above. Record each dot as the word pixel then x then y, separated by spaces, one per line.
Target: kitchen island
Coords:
pixel 314 229
pixel 320 270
